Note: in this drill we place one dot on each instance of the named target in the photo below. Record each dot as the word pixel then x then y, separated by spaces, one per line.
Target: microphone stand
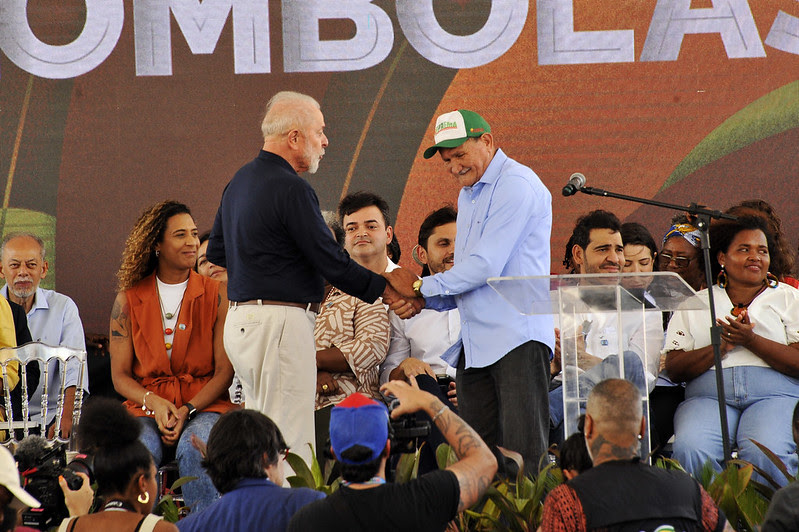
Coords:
pixel 703 224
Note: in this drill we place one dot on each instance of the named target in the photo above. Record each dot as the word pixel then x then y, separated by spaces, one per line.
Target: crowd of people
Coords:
pixel 281 330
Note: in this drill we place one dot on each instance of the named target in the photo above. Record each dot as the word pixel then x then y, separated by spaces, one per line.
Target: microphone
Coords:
pixel 576 182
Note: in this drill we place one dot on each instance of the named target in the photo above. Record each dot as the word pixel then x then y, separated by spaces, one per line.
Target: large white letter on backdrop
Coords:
pixel 784 33
pixel 559 44
pixel 201 25
pixel 104 19
pixel 504 25
pixel 673 19
pixel 304 51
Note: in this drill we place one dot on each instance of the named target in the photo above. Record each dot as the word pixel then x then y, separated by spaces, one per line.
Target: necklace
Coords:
pixel 116 505
pixel 738 308
pixel 167 315
pixel 168 331
pixel 371 481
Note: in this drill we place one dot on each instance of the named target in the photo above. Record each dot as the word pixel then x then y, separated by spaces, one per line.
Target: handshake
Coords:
pixel 399 294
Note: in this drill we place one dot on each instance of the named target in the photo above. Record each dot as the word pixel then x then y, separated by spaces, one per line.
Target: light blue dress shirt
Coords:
pixel 54 320
pixel 503 229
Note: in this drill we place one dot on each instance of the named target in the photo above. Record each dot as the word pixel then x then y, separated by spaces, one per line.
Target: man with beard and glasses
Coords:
pixel 270 235
pixel 53 319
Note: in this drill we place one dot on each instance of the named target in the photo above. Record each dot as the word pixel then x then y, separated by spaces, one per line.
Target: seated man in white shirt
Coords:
pixel 418 343
pixel 595 248
pixel 52 319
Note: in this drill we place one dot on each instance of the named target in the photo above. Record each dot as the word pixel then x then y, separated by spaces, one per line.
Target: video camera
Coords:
pixel 40 465
pixel 406 431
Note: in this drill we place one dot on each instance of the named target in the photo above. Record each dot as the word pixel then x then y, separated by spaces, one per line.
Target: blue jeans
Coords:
pixel 760 403
pixel 607 369
pixel 199 493
pixel 506 402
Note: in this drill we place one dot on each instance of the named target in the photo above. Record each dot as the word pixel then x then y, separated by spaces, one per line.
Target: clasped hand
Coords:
pixel 168 417
pixel 399 294
pixel 735 332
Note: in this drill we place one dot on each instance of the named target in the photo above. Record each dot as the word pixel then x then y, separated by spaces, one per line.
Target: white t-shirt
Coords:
pixel 774 313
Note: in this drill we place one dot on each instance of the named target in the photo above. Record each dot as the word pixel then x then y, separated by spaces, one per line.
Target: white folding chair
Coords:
pixel 41 354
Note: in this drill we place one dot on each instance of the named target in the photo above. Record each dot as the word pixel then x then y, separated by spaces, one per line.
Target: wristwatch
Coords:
pixel 192 410
pixel 417 287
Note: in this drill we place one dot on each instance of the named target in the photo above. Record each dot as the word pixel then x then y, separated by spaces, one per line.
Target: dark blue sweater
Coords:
pixel 270 235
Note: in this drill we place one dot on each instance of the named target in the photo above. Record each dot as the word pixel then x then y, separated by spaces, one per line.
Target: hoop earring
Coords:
pixel 721 280
pixel 157 252
pixel 771 280
pixel 145 499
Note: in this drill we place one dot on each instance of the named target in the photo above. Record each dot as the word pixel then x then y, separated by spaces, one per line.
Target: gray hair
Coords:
pixel 618 402
pixel 22 234
pixel 285 111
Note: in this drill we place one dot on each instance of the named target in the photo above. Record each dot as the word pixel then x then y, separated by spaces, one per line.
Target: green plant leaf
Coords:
pixel 180 482
pixel 316 471
pixel 167 508
pixel 774 460
pixel 445 456
pixel 407 467
pixel 302 478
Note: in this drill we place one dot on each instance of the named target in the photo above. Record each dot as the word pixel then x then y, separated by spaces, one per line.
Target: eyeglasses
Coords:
pixel 284 453
pixel 679 262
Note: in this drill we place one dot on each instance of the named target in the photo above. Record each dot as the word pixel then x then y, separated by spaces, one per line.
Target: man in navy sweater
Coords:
pixel 270 235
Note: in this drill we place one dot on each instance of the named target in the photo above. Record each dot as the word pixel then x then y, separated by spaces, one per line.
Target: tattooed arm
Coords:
pixel 120 347
pixel 476 466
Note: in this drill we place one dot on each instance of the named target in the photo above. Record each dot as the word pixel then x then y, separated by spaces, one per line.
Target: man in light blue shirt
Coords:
pixel 503 229
pixel 52 319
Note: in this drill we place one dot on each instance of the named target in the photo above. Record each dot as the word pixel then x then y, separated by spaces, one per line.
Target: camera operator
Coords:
pixel 12 496
pixel 359 438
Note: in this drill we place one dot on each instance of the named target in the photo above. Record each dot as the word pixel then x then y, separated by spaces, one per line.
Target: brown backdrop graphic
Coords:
pixel 96 150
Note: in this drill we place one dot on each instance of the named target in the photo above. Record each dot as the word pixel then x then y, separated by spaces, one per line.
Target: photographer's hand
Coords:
pixel 411 398
pixel 78 502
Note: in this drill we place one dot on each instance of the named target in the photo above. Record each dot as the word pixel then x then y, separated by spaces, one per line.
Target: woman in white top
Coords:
pixel 759 324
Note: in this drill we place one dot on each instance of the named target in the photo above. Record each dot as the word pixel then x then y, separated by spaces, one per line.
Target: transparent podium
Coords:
pixel 591 310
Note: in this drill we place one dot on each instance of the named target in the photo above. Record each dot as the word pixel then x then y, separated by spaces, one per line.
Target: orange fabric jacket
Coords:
pixel 192 362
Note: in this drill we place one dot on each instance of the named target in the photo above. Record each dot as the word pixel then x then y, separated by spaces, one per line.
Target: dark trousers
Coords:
pixel 507 403
pixel 427 457
pixel 663 403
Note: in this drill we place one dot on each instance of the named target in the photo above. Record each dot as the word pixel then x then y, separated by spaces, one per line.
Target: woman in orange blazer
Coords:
pixel 167 355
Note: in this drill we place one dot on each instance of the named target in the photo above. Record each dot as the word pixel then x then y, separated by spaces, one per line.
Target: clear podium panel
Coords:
pixel 664 291
pixel 609 326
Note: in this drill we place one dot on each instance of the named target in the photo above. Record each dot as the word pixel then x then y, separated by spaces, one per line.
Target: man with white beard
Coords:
pixel 53 319
pixel 270 235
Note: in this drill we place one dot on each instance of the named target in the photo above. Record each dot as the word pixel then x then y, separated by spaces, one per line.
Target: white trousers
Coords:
pixel 272 350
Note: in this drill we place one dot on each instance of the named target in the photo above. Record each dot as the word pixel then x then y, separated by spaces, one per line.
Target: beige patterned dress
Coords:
pixel 361 331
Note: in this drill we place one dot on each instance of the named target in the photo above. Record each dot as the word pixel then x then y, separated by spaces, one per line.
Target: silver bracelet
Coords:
pixel 144 404
pixel 441 411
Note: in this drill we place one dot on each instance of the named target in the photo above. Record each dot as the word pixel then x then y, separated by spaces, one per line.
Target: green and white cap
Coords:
pixel 453 129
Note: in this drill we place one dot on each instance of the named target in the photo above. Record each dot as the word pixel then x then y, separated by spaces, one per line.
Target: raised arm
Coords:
pixel 476 466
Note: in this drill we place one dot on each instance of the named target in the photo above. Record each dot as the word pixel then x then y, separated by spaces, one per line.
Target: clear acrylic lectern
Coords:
pixel 591 309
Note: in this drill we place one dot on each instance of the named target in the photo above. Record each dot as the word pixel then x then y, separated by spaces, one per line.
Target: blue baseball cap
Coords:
pixel 359 420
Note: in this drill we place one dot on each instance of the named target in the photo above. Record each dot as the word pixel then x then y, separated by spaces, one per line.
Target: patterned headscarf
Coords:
pixel 687 231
